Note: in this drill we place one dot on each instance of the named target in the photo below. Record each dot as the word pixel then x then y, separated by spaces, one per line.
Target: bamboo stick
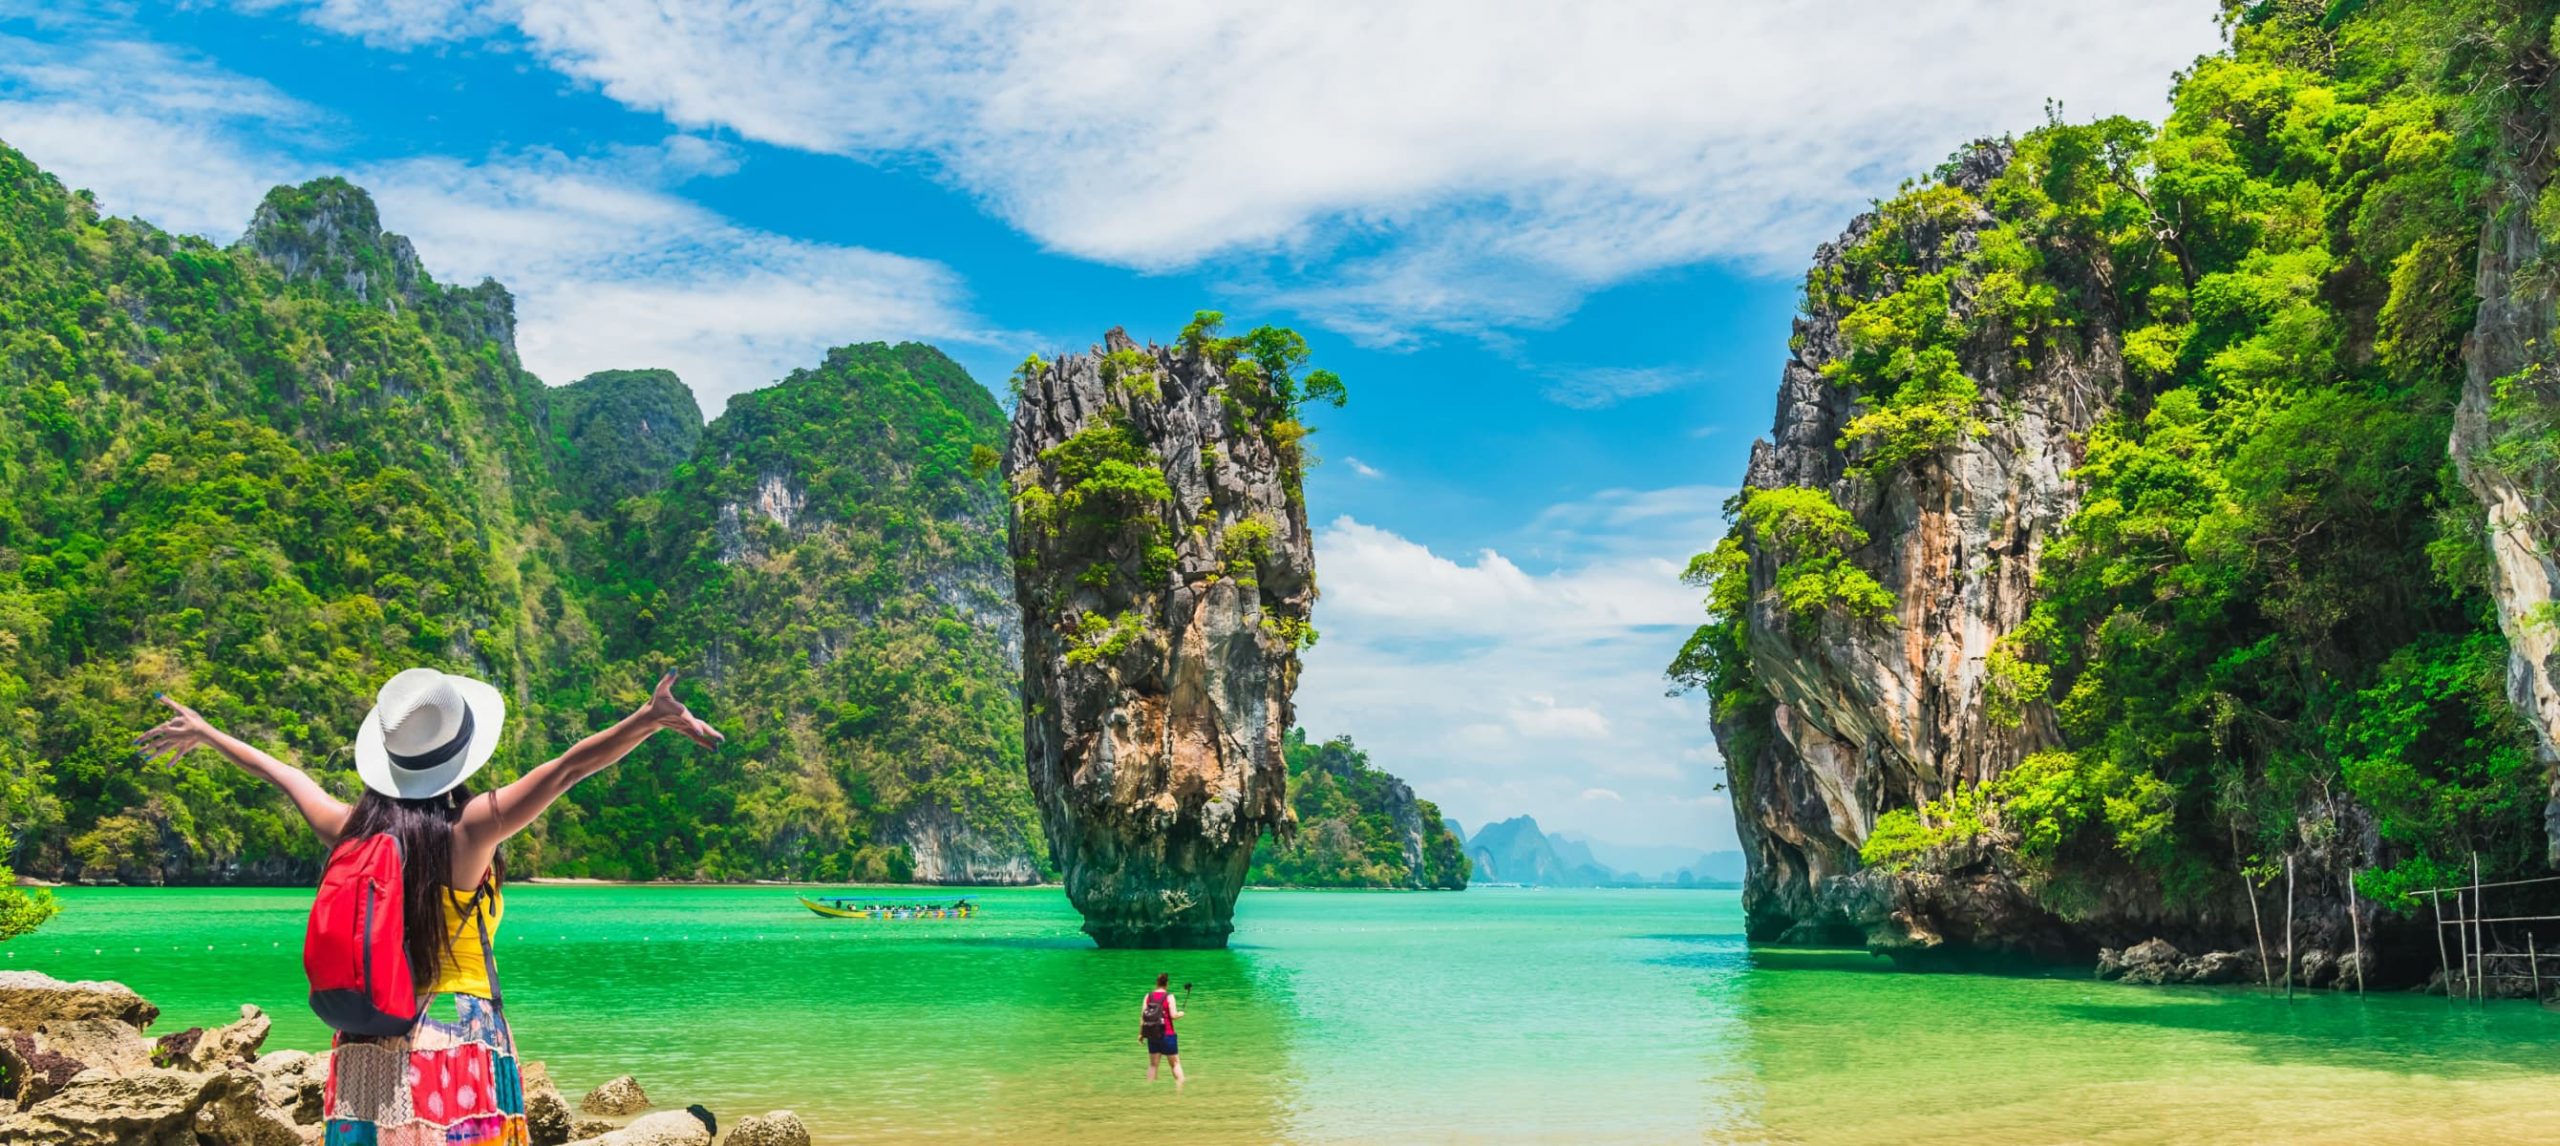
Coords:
pixel 2479 932
pixel 2266 973
pixel 2355 928
pixel 2533 961
pixel 2462 938
pixel 2288 927
pixel 2444 959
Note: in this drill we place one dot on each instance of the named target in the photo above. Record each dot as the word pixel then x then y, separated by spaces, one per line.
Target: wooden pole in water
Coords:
pixel 2436 897
pixel 2266 976
pixel 2462 936
pixel 2479 932
pixel 2355 927
pixel 2288 927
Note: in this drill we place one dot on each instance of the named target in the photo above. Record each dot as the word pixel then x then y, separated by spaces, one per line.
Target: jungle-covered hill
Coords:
pixel 2152 507
pixel 264 477
pixel 1356 827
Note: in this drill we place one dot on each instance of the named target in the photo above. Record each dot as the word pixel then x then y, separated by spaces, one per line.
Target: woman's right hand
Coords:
pixel 665 711
pixel 176 736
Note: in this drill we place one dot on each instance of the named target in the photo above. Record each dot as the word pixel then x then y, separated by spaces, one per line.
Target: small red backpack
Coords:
pixel 356 950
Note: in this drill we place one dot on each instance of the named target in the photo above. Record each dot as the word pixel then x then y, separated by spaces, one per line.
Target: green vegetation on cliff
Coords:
pixel 266 477
pixel 834 559
pixel 2265 630
pixel 1357 827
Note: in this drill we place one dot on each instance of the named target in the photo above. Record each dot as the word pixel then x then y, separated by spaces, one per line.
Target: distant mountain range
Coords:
pixel 1516 851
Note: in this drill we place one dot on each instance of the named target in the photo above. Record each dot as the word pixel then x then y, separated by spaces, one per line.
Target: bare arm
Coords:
pixel 189 730
pixel 494 818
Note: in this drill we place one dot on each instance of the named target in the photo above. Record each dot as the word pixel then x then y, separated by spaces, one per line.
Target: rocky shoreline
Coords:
pixel 77 1069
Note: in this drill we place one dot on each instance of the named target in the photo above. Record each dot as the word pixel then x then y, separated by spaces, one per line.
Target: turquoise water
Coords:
pixel 1493 1015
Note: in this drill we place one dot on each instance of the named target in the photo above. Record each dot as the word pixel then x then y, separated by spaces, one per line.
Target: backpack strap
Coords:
pixel 488 958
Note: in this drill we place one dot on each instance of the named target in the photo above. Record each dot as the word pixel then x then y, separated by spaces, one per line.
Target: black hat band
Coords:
pixel 439 755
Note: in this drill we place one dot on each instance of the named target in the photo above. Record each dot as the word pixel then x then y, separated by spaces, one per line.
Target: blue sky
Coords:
pixel 1554 249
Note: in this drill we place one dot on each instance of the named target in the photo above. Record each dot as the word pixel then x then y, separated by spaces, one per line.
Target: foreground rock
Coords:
pixel 616 1098
pixel 664 1128
pixel 1164 570
pixel 779 1128
pixel 76 1069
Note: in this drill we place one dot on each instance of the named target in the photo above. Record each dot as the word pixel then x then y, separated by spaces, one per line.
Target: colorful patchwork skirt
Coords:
pixel 442 1084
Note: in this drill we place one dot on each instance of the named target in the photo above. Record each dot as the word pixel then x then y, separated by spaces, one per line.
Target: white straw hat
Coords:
pixel 428 732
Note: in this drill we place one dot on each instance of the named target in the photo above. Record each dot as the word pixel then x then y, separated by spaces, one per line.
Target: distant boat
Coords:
pixel 848 907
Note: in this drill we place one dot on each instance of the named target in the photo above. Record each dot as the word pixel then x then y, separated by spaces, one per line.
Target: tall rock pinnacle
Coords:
pixel 1164 570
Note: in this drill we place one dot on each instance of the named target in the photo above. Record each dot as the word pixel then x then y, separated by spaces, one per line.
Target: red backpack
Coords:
pixel 356 950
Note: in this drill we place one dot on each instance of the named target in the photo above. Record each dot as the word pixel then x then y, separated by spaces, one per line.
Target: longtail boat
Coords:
pixel 848 907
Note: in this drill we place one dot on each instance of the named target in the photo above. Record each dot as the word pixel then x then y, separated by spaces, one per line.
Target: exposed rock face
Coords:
pixel 2512 343
pixel 1161 621
pixel 327 231
pixel 1872 715
pixel 947 850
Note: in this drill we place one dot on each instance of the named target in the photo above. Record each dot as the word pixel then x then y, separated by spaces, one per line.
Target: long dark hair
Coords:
pixel 425 831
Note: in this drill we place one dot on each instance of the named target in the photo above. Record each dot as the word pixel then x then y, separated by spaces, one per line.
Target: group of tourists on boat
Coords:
pixel 846 907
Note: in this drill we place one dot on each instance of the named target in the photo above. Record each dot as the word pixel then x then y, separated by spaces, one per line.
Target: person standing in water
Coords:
pixel 1155 1026
pixel 453 1081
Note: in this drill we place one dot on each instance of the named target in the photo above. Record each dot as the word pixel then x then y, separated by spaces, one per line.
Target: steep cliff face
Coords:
pixel 1165 573
pixel 2510 401
pixel 832 564
pixel 1870 714
pixel 2106 576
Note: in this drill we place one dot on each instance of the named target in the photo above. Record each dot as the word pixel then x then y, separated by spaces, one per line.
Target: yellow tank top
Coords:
pixel 465 971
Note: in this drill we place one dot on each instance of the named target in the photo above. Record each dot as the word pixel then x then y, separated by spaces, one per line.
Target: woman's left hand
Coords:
pixel 665 711
pixel 176 736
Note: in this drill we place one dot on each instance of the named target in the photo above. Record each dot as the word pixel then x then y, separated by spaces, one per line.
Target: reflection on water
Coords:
pixel 1492 1015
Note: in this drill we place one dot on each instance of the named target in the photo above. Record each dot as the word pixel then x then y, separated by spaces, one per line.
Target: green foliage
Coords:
pixel 622 433
pixel 22 909
pixel 1904 837
pixel 1096 639
pixel 1810 536
pixel 1132 372
pixel 2444 763
pixel 266 496
pixel 1353 825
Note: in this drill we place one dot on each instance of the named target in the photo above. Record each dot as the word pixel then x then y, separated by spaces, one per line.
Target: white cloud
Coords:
pixel 1595 387
pixel 609 271
pixel 146 126
pixel 1388 584
pixel 1602 794
pixel 1498 688
pixel 1542 717
pixel 1485 163
pixel 609 266
pixel 1362 468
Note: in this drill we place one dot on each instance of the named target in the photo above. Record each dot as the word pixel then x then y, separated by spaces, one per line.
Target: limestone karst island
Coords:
pixel 782 574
